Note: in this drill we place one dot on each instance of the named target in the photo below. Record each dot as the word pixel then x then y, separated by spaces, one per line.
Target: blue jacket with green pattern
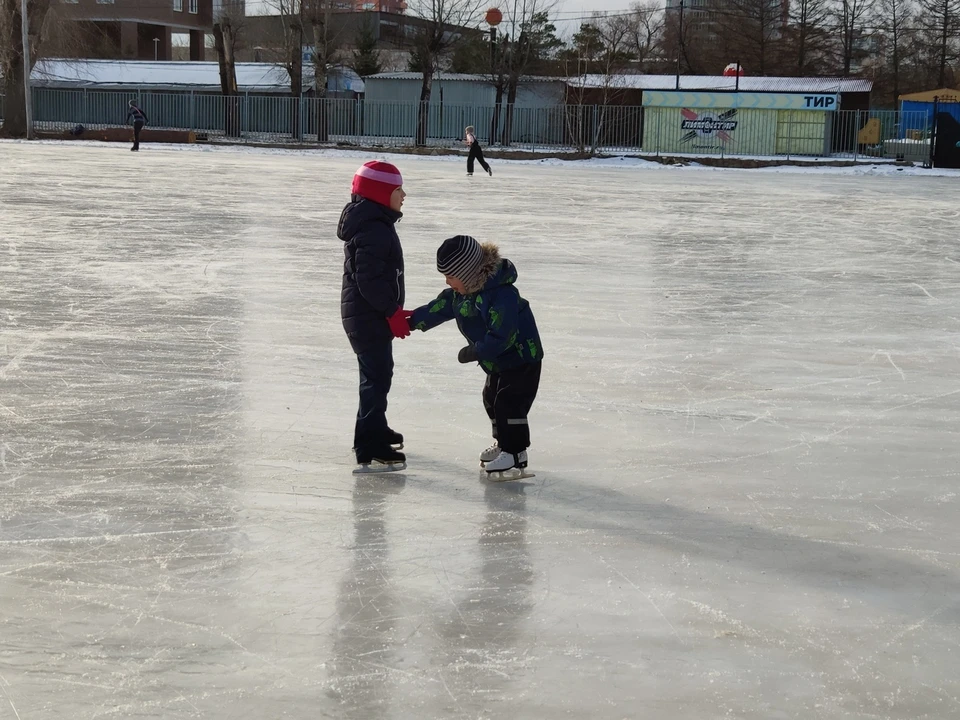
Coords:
pixel 491 316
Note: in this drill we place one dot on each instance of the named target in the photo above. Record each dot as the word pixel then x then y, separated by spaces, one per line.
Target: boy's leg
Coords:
pixel 517 391
pixel 470 157
pixel 490 389
pixel 483 163
pixel 376 375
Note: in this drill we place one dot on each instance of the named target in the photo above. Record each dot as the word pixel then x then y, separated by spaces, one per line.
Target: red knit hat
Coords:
pixel 376 181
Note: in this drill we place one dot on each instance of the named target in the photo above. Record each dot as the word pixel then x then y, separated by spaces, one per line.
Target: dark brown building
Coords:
pixel 138 29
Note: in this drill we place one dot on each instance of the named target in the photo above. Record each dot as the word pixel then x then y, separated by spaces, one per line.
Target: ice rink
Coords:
pixel 747 448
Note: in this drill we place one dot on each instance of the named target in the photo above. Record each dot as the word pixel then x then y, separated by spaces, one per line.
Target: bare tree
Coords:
pixel 526 35
pixel 11 58
pixel 753 33
pixel 940 20
pixel 850 18
pixel 806 37
pixel 227 27
pixel 689 40
pixel 645 26
pixel 306 29
pixel 599 55
pixel 432 43
pixel 895 18
pixel 328 42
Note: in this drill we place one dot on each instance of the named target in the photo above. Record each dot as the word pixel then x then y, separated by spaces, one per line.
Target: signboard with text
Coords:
pixel 742 101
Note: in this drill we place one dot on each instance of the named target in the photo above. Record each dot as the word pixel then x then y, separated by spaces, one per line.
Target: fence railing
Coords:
pixel 585 128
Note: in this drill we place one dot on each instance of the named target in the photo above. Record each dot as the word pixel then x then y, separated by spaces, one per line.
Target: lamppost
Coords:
pixel 679 44
pixel 494 17
pixel 25 38
pixel 156 48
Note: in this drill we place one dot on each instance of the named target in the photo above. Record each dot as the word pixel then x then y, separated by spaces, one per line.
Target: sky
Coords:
pixel 571 13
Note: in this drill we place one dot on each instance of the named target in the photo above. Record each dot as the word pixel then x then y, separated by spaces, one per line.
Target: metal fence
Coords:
pixel 308 120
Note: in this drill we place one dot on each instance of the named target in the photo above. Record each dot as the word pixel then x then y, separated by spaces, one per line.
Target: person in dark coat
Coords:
pixel 476 152
pixel 139 118
pixel 371 305
pixel 501 335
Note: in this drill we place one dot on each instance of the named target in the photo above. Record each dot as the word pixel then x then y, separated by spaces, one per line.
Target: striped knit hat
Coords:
pixel 460 257
pixel 376 181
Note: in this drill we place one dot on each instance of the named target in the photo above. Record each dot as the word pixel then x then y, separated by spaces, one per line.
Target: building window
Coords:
pixel 104 2
pixel 178 5
pixel 70 2
pixel 193 7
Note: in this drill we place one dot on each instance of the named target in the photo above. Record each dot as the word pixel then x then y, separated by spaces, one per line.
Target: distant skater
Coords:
pixel 476 152
pixel 139 119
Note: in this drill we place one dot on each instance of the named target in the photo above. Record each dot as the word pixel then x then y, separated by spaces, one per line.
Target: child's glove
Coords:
pixel 467 354
pixel 398 323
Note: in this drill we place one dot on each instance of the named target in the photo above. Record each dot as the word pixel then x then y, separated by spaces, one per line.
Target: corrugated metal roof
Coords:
pixel 929 95
pixel 462 77
pixel 668 82
pixel 718 82
pixel 149 74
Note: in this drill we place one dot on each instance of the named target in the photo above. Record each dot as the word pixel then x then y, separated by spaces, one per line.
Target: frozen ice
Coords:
pixel 746 446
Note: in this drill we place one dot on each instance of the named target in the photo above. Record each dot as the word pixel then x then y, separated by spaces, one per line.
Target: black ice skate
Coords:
pixel 379 461
pixel 394 439
pixel 507 466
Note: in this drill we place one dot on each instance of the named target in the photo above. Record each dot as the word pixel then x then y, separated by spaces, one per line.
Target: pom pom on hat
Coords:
pixel 376 181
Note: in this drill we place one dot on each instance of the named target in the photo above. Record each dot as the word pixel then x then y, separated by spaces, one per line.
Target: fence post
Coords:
pixel 596 129
pixel 659 113
pixel 933 131
pixel 856 133
pixel 790 133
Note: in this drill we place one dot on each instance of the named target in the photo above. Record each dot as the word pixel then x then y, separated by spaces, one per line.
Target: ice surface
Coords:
pixel 746 448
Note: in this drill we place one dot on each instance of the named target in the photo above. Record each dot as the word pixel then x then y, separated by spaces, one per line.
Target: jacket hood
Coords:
pixel 359 211
pixel 494 270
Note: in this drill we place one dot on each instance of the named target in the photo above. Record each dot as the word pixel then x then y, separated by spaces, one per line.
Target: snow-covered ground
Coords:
pixel 862 166
pixel 747 446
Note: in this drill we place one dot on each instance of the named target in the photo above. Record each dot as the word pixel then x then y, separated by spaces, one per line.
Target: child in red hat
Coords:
pixel 371 305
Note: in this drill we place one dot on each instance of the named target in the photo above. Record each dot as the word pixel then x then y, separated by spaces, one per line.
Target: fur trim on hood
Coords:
pixel 489 266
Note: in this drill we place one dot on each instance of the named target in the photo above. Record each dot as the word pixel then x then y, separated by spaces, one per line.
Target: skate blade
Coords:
pixel 398 446
pixel 508 475
pixel 376 468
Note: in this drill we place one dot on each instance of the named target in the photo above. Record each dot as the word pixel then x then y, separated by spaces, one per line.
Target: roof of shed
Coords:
pixel 53 72
pixel 669 82
pixel 723 83
pixel 929 95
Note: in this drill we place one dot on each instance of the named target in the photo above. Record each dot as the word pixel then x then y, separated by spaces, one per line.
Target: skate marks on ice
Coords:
pixel 441 634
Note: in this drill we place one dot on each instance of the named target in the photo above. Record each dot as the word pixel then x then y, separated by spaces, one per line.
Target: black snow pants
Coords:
pixel 507 398
pixel 476 153
pixel 137 127
pixel 376 374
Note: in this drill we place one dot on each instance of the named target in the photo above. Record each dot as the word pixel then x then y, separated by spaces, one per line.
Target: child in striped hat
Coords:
pixel 502 337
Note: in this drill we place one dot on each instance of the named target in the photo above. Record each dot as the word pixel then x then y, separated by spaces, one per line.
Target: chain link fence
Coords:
pixel 590 129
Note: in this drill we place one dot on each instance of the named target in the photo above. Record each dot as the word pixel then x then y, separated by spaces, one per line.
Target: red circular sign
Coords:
pixel 493 17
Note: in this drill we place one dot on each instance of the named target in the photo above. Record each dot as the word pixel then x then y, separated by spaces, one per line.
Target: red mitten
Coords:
pixel 398 323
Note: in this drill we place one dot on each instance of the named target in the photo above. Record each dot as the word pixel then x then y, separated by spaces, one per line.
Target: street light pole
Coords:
pixel 156 45
pixel 679 44
pixel 25 38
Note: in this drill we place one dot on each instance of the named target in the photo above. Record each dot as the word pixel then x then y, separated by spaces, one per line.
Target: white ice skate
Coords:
pixel 491 453
pixel 507 466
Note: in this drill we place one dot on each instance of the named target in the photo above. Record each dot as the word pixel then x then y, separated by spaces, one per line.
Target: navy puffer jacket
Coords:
pixel 372 272
pixel 492 316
